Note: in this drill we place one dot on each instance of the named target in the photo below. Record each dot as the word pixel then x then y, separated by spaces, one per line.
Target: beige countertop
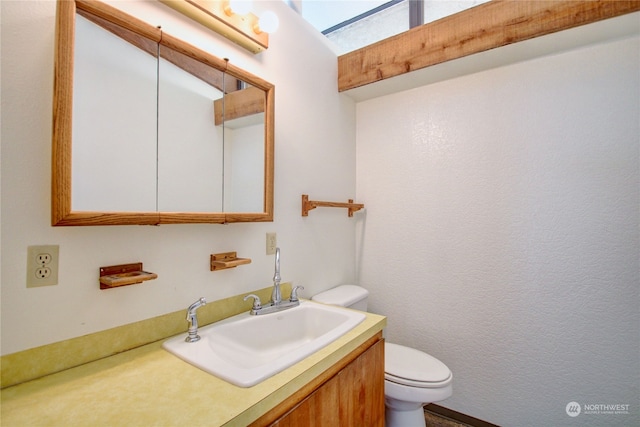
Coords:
pixel 148 386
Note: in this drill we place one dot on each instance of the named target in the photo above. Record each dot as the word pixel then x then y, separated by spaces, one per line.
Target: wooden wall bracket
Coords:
pixel 308 205
pixel 226 260
pixel 123 275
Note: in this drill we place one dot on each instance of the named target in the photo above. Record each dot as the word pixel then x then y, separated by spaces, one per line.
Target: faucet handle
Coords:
pixel 294 294
pixel 257 305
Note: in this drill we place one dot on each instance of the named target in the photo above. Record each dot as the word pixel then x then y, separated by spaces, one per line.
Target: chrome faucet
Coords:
pixel 276 303
pixel 193 320
pixel 276 295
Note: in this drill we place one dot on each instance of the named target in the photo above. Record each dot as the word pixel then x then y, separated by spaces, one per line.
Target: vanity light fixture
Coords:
pixel 244 29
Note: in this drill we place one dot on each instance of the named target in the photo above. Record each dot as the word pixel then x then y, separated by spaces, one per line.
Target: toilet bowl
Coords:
pixel 412 378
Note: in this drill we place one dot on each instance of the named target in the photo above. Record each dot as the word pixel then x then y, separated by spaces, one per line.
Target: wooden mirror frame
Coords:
pixel 61 166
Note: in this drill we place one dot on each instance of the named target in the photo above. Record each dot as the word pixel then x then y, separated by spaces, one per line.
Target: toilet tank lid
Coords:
pixel 343 295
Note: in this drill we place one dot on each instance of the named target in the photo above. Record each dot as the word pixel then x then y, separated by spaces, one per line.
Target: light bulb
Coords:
pixel 268 22
pixel 240 7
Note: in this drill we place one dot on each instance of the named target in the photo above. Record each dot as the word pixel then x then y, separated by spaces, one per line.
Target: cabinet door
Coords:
pixel 320 408
pixel 353 397
pixel 361 389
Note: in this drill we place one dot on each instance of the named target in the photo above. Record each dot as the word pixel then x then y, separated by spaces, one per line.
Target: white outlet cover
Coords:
pixel 42 265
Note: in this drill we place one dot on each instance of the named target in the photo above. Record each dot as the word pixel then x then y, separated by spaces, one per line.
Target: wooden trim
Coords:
pixel 240 103
pixel 116 16
pixel 79 218
pixel 192 52
pixel 62 108
pixel 230 217
pixel 481 28
pixel 269 147
pixel 191 218
pixel 248 77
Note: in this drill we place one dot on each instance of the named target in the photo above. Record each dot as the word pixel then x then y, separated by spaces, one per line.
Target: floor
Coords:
pixel 436 420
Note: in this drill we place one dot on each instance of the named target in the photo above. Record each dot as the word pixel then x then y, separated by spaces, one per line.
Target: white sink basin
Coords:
pixel 245 350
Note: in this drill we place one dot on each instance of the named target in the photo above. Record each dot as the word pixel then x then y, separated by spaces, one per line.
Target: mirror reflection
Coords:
pixel 114 161
pixel 244 154
pixel 190 144
pixel 160 131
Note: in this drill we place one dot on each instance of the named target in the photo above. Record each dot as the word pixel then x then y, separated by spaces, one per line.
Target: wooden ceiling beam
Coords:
pixel 487 26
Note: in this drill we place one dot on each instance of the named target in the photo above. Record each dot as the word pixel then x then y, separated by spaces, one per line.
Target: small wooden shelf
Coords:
pixel 123 275
pixel 226 260
pixel 307 205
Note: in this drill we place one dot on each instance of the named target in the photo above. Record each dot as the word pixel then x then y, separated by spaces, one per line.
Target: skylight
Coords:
pixel 352 24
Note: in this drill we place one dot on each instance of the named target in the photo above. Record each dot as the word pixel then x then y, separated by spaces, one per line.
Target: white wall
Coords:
pixel 315 154
pixel 502 236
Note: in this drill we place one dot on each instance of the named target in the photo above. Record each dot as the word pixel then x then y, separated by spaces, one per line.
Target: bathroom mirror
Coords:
pixel 150 130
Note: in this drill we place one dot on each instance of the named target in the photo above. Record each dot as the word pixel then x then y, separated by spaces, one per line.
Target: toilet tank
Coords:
pixel 351 296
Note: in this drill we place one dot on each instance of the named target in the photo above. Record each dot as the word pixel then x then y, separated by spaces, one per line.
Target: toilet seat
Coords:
pixel 414 368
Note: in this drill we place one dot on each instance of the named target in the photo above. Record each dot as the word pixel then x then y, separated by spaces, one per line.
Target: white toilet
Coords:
pixel 412 378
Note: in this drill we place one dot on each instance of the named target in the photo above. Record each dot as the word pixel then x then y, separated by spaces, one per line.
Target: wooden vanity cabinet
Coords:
pixel 350 393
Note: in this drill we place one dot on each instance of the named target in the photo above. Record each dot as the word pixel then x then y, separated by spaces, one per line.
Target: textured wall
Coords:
pixel 501 232
pixel 303 68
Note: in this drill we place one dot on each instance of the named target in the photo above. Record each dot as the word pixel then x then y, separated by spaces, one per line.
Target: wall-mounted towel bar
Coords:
pixel 307 205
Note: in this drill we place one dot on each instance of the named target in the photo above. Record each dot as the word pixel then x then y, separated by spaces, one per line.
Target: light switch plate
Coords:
pixel 271 243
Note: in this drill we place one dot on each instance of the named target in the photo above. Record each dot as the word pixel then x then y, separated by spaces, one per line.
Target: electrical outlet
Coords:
pixel 42 265
pixel 271 243
pixel 43 273
pixel 43 258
